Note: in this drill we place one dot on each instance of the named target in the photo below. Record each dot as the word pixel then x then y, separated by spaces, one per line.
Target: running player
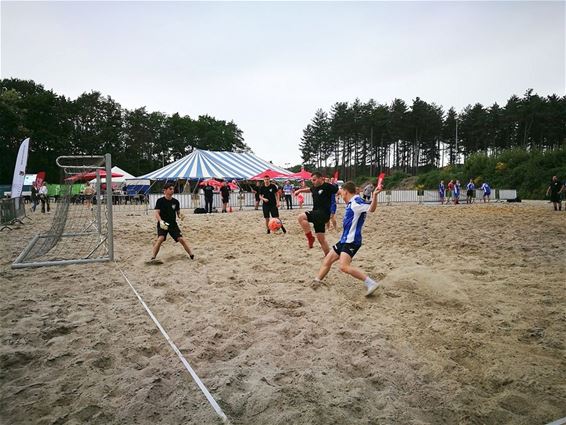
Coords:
pixel 351 240
pixel 167 209
pixel 320 214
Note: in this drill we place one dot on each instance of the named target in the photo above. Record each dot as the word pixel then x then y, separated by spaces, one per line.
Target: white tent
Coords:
pixel 118 180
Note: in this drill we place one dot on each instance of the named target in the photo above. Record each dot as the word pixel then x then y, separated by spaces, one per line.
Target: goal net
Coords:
pixel 81 231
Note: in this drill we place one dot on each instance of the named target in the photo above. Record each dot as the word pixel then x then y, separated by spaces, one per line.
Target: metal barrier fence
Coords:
pixel 238 200
pixel 130 204
pixel 241 200
pixel 12 211
pixel 505 194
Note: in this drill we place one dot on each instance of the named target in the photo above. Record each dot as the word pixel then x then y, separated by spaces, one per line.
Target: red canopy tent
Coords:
pixel 91 175
pixel 303 174
pixel 269 172
pixel 217 185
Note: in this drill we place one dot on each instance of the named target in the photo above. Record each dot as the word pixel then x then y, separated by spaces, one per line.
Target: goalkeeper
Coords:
pixel 167 209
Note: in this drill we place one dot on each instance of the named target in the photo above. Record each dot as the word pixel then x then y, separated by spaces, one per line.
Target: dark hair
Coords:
pixel 316 174
pixel 168 185
pixel 349 187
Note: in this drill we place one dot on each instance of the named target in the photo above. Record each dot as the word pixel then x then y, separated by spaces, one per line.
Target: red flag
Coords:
pixel 39 179
pixel 380 180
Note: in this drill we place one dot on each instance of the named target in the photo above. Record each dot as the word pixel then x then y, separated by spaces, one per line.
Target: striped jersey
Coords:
pixel 470 186
pixel 354 218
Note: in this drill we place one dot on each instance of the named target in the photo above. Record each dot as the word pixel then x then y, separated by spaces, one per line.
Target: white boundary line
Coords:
pixel 209 397
pixel 558 422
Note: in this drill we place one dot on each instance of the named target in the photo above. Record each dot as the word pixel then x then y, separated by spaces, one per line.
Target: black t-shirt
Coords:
pixel 321 196
pixel 168 209
pixel 269 192
pixel 208 191
pixel 555 187
pixel 225 191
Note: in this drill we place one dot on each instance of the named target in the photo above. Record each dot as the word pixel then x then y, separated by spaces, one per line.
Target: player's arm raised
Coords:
pixel 373 205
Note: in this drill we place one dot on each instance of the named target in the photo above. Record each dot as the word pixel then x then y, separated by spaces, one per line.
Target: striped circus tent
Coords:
pixel 201 164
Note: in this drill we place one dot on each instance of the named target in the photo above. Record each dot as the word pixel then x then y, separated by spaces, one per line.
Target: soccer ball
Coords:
pixel 275 224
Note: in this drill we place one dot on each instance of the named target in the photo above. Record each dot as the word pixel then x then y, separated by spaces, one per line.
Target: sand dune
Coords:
pixel 468 328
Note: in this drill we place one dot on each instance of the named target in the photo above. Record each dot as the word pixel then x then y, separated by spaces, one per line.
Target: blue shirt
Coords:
pixel 354 218
pixel 471 186
pixel 441 189
pixel 456 189
pixel 486 189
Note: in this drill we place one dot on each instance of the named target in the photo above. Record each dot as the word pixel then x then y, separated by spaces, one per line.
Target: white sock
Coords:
pixel 369 282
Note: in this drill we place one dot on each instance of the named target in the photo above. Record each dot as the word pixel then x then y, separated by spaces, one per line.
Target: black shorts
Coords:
pixel 257 196
pixel 319 219
pixel 270 209
pixel 173 230
pixel 348 248
pixel 470 193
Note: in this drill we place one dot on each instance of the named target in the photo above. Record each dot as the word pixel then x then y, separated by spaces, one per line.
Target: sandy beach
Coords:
pixel 468 328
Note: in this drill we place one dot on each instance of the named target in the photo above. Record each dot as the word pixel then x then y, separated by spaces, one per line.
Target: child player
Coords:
pixel 351 240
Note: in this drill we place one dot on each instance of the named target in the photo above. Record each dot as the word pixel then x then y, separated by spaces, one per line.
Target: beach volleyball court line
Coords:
pixel 558 422
pixel 202 387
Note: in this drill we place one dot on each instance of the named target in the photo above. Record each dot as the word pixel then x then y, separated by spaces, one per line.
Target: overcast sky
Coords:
pixel 269 66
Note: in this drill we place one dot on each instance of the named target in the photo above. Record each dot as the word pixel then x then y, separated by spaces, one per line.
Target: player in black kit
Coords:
pixel 167 209
pixel 321 194
pixel 270 206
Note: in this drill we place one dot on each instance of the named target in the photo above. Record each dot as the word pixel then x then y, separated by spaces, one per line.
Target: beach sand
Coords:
pixel 468 328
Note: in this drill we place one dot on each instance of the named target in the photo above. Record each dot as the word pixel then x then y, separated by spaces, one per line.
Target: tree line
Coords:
pixel 140 141
pixel 362 138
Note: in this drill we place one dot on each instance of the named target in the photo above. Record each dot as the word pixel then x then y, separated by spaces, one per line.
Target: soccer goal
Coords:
pixel 81 231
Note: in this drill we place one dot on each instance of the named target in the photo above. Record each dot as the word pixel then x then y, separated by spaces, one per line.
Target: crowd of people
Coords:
pixel 453 191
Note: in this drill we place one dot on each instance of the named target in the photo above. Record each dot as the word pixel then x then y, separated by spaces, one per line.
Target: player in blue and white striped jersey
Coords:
pixel 351 240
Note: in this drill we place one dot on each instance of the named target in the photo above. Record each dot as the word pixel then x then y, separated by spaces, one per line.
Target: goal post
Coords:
pixel 82 226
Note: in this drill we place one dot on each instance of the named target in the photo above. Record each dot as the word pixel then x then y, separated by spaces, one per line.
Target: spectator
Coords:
pixel 441 191
pixel 368 190
pixel 208 190
pixel 470 189
pixel 44 197
pixel 486 191
pixel 225 194
pixel 554 191
pixel 288 191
